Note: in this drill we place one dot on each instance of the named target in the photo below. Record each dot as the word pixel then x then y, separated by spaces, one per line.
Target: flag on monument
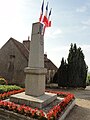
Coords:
pixel 49 22
pixel 44 29
pixel 41 14
pixel 49 14
pixel 45 19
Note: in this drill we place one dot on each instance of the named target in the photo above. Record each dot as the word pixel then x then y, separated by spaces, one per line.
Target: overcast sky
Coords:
pixel 70 24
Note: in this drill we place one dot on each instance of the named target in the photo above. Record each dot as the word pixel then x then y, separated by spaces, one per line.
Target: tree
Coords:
pixel 77 68
pixel 61 74
pixel 73 73
pixel 72 65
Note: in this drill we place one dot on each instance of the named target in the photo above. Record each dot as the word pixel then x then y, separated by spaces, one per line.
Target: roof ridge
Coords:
pixel 21 48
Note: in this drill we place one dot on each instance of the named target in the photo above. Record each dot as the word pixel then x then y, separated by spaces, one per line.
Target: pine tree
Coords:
pixel 55 77
pixel 72 68
pixel 73 73
pixel 62 74
pixel 77 68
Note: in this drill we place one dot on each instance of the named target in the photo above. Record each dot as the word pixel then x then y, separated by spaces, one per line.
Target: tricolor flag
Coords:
pixel 41 14
pixel 49 22
pixel 45 19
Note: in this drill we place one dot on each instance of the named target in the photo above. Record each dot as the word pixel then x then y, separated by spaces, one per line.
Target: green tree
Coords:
pixel 61 75
pixel 74 72
pixel 77 68
pixel 88 79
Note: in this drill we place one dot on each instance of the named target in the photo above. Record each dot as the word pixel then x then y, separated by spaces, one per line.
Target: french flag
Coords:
pixel 45 19
pixel 49 22
pixel 41 14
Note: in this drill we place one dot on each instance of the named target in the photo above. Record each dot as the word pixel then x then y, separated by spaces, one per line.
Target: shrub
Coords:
pixel 88 79
pixel 7 88
pixel 3 81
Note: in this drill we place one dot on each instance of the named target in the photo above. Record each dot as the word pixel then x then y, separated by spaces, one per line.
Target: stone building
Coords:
pixel 14 58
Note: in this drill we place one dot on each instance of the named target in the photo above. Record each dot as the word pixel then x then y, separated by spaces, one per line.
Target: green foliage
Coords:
pixel 62 74
pixel 55 77
pixel 77 68
pixel 6 88
pixel 3 81
pixel 73 73
pixel 88 79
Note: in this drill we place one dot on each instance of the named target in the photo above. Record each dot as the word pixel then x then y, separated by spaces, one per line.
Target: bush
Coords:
pixel 7 88
pixel 88 79
pixel 3 81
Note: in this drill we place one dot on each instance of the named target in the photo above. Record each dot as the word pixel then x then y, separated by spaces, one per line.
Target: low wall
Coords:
pixel 9 115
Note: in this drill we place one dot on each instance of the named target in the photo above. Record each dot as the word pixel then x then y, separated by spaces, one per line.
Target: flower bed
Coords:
pixel 53 113
pixel 7 94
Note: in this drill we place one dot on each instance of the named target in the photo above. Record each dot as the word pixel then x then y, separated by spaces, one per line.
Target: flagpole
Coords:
pixel 41 14
pixel 46 18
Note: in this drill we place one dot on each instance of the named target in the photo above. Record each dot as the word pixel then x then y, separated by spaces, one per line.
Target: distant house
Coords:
pixel 14 58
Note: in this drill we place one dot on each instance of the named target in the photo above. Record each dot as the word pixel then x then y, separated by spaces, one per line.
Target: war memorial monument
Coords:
pixel 35 95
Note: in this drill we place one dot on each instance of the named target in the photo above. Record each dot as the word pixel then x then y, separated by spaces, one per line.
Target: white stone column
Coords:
pixel 35 72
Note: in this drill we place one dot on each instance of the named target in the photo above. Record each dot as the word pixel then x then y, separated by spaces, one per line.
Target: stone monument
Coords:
pixel 35 72
pixel 35 95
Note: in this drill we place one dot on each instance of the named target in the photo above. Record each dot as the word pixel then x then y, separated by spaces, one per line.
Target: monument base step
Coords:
pixel 35 102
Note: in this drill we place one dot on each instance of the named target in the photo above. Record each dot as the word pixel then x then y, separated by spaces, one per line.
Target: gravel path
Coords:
pixel 81 111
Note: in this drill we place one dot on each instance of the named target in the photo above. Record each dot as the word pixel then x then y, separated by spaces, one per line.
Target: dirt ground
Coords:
pixel 81 110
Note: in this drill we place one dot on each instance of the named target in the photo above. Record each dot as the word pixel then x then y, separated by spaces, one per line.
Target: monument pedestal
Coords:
pixel 34 95
pixel 35 81
pixel 33 101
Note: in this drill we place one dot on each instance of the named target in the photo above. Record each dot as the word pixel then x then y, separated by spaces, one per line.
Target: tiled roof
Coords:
pixel 49 65
pixel 21 47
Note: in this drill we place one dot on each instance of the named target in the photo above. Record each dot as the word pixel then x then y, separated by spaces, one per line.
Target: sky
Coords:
pixel 70 24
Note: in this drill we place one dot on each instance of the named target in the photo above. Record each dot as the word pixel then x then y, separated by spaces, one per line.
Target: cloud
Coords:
pixel 57 32
pixel 86 51
pixel 86 48
pixel 56 54
pixel 81 9
pixel 61 48
pixel 87 22
pixel 53 33
pixel 84 27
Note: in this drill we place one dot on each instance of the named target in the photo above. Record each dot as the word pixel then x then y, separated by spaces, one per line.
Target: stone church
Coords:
pixel 14 58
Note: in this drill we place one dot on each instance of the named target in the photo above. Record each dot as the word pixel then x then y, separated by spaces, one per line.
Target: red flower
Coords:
pixel 1 103
pixel 33 112
pixel 54 113
pixel 41 114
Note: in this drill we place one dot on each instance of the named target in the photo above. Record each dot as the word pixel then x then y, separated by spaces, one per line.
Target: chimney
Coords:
pixel 45 56
pixel 26 43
